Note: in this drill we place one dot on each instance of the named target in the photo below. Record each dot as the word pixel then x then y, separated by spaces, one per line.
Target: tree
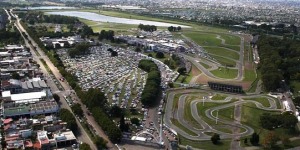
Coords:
pixel 297 101
pixel 178 28
pixel 181 70
pixel 123 126
pixel 135 121
pixel 99 142
pixel 215 138
pixel 171 28
pixel 76 108
pixel 270 140
pixel 160 55
pixel 114 54
pixel 67 116
pixel 15 75
pixel 84 146
pixel 285 141
pixel 254 140
pixel 138 50
pixel 171 85
pixel 56 97
pixel 246 141
pixel 116 111
pixel 289 120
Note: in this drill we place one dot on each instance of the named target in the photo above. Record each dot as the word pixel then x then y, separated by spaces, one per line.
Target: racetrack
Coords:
pixel 178 113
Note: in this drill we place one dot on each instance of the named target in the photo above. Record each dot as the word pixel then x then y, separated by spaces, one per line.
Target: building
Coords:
pixel 66 138
pixel 225 87
pixel 43 140
pixel 16 86
pixel 31 109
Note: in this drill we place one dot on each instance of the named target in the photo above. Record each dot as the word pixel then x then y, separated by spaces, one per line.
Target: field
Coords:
pixel 231 40
pixel 218 97
pixel 222 52
pixel 249 75
pixel 203 39
pixel 264 101
pixel 224 144
pixel 225 73
pixel 225 61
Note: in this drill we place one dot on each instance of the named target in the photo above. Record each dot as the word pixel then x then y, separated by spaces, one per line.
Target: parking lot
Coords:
pixel 118 77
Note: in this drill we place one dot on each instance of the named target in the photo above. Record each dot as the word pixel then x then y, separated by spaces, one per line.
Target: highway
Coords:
pixel 66 90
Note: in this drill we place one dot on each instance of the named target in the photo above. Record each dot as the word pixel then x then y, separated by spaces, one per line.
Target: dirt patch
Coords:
pixel 247 38
pixel 248 66
pixel 195 71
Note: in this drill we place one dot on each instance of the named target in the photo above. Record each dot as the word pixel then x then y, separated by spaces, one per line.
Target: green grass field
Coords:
pixel 188 115
pixel 231 39
pixel 233 47
pixel 264 101
pixel 226 113
pixel 249 75
pixel 177 123
pixel 218 97
pixel 222 52
pixel 203 39
pixel 207 145
pixel 225 61
pixel 205 65
pixel 225 73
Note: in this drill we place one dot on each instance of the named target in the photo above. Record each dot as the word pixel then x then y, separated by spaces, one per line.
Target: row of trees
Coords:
pixel 173 29
pixel 279 59
pixel 148 28
pixel 151 92
pixel 67 116
pixel 96 102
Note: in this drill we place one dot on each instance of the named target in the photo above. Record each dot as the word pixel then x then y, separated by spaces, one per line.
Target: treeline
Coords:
pixel 279 60
pixel 151 92
pixel 66 116
pixel 285 120
pixel 9 37
pixel 173 29
pixel 148 28
pixel 96 102
pixel 33 17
